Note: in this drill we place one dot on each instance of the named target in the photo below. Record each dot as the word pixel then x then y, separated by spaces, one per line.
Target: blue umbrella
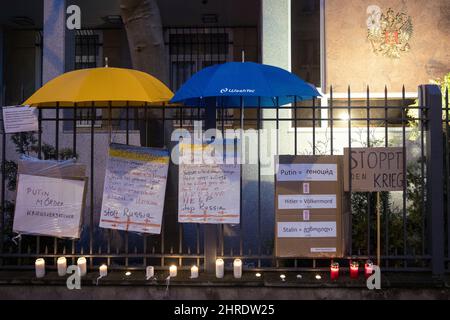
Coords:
pixel 257 85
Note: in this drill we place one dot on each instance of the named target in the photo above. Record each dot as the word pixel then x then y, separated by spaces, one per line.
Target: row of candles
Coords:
pixel 220 269
pixel 354 270
pixel 62 267
pixel 150 271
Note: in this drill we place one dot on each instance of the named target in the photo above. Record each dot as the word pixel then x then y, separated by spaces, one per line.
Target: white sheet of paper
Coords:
pixel 322 229
pixel 48 206
pixel 307 172
pixel 20 119
pixel 209 193
pixel 134 190
pixel 306 201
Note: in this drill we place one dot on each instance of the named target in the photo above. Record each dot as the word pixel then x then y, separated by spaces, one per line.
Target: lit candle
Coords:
pixel 103 270
pixel 237 268
pixel 368 268
pixel 149 272
pixel 219 268
pixel 62 266
pixel 334 271
pixel 81 263
pixel 173 271
pixel 354 270
pixel 40 268
pixel 194 272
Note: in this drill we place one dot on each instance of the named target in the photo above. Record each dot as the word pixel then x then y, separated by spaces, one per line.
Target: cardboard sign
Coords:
pixel 209 192
pixel 49 206
pixel 374 169
pixel 20 119
pixel 134 190
pixel 308 205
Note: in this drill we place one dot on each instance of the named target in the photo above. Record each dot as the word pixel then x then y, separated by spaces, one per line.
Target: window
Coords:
pixel 192 49
pixel 306 55
pixel 88 54
pixel 306 39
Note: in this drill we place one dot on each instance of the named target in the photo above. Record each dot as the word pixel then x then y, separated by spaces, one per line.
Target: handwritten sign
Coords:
pixel 20 119
pixel 209 193
pixel 374 169
pixel 48 206
pixel 308 207
pixel 134 190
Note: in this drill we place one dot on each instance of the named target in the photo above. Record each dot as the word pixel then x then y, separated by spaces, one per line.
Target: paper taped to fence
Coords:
pixel 208 192
pixel 308 207
pixel 49 206
pixel 134 190
pixel 20 119
pixel 374 169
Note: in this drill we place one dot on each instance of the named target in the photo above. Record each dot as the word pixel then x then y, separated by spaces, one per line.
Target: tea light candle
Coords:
pixel 173 271
pixel 62 266
pixel 354 270
pixel 40 268
pixel 334 271
pixel 219 268
pixel 237 268
pixel 103 270
pixel 368 268
pixel 194 272
pixel 81 263
pixel 149 272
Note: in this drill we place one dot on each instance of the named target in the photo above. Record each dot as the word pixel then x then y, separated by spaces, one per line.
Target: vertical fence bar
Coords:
pixel 74 148
pixel 145 237
pixel 331 116
pixel 258 125
pixel 241 126
pixel 127 139
pixel 210 231
pixel 431 99
pixel 3 195
pixel 91 178
pixel 314 124
pixel 295 125
pixel 55 240
pixel 405 189
pixel 38 238
pixel 385 204
pixel 349 110
pixel 447 157
pixel 368 194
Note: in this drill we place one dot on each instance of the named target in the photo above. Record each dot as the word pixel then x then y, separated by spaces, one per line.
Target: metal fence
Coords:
pixel 413 225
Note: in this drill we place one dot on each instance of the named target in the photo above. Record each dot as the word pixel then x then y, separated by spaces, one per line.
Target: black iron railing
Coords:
pixel 407 223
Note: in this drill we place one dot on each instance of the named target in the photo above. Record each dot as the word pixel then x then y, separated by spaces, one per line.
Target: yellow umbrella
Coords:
pixel 103 87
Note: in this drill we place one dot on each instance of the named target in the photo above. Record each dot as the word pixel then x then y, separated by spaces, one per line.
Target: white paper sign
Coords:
pixel 134 190
pixel 307 172
pixel 323 229
pixel 48 206
pixel 299 201
pixel 209 193
pixel 323 250
pixel 20 119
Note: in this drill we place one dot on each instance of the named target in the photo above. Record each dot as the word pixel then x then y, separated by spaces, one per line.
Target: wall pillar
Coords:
pixel 58 53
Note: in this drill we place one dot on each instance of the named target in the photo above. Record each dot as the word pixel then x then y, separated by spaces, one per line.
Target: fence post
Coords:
pixel 430 98
pixel 211 230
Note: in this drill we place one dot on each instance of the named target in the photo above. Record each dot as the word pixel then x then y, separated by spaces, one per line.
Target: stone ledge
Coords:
pixel 268 279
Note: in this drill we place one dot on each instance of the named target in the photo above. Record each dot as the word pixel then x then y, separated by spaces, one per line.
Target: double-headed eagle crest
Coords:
pixel 389 32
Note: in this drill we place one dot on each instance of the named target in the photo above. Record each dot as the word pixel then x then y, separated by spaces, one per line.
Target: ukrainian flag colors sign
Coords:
pixel 134 190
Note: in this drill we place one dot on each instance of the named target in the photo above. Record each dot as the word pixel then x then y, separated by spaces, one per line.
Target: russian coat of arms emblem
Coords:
pixel 388 32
